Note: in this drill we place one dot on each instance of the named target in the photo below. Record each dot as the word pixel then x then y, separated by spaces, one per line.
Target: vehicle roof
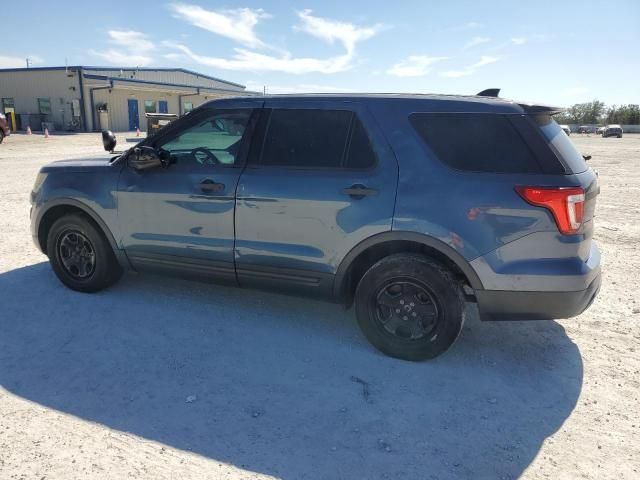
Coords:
pixel 614 125
pixel 486 103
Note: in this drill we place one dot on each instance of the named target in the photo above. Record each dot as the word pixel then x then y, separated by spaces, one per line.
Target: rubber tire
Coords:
pixel 107 270
pixel 1 136
pixel 445 290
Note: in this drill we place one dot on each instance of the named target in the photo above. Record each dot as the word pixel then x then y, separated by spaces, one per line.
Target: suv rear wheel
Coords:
pixel 410 307
pixel 80 255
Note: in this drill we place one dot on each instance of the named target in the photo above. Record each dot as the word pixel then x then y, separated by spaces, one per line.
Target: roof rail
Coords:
pixel 489 92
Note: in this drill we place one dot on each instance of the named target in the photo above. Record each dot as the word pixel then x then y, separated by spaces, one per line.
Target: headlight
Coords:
pixel 39 181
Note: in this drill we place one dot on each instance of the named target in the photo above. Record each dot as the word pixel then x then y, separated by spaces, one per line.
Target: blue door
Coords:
pixel 133 113
pixel 162 105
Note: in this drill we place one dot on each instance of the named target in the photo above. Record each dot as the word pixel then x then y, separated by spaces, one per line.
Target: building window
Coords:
pixel 7 105
pixel 44 106
pixel 150 106
pixel 187 107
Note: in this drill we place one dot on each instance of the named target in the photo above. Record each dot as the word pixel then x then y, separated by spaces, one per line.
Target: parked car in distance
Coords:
pixel 600 130
pixel 4 127
pixel 407 206
pixel 612 131
pixel 585 129
pixel 566 129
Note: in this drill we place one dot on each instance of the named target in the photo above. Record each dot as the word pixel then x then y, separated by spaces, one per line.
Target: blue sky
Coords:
pixel 547 51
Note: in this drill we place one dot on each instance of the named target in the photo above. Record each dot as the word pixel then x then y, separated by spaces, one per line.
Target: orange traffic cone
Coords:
pixel 46 133
pixel 137 132
pixel 28 130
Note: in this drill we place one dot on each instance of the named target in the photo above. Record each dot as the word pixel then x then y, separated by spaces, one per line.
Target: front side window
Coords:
pixel 477 142
pixel 44 106
pixel 215 139
pixel 149 106
pixel 316 139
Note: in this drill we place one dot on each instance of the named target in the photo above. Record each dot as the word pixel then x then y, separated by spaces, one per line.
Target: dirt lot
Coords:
pixel 160 378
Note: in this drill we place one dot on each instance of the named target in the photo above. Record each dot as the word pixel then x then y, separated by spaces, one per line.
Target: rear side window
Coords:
pixel 478 142
pixel 561 144
pixel 316 138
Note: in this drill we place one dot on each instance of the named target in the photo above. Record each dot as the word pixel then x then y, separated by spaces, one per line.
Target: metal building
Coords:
pixel 88 99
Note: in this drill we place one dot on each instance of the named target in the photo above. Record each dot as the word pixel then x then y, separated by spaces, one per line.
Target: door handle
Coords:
pixel 210 186
pixel 359 191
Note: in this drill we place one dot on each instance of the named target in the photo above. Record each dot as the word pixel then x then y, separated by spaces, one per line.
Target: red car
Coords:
pixel 4 127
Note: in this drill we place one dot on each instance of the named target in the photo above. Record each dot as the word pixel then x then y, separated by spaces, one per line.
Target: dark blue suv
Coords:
pixel 407 206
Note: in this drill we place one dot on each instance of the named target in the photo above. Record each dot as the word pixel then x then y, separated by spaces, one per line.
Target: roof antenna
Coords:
pixel 489 92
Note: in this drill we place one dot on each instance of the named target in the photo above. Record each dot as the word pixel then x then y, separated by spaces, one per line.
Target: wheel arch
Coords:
pixel 374 248
pixel 65 206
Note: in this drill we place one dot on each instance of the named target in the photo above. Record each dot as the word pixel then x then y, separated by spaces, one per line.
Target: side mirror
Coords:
pixel 144 158
pixel 108 140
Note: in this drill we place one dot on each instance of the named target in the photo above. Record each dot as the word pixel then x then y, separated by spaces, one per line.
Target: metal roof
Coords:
pixel 143 69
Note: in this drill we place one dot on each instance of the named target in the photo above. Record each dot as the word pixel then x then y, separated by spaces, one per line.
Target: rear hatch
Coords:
pixel 576 181
pixel 573 162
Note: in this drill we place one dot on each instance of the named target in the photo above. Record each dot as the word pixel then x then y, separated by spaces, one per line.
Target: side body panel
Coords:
pixel 295 225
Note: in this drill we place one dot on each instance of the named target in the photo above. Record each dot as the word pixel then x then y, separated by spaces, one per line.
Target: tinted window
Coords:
pixel 306 138
pixel 476 142
pixel 213 140
pixel 561 144
pixel 360 154
pixel 149 106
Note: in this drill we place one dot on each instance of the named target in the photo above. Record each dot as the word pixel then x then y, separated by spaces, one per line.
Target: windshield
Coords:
pixel 561 144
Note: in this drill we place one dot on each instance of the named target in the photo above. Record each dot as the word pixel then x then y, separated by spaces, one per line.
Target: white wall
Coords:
pixel 26 86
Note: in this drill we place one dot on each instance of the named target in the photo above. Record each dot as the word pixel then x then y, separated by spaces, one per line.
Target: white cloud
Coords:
pixel 485 60
pixel 414 66
pixel 328 30
pixel 236 24
pixel 331 30
pixel 10 61
pixel 471 69
pixel 519 40
pixel 258 62
pixel 132 49
pixel 476 41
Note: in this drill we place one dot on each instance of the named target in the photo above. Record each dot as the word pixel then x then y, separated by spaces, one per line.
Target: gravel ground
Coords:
pixel 161 378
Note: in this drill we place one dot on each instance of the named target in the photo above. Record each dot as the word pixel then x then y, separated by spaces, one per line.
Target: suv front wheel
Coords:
pixel 410 307
pixel 80 254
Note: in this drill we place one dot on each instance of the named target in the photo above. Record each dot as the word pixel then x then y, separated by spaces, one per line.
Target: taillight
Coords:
pixel 565 203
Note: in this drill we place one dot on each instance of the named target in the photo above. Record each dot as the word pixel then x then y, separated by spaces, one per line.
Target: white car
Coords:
pixel 566 129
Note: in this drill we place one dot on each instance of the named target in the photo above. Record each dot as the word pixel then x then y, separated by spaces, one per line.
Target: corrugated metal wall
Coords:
pixel 117 104
pixel 62 87
pixel 175 77
pixel 25 87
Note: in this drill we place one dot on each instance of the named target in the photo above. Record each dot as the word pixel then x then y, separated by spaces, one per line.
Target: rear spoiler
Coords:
pixel 527 107
pixel 540 109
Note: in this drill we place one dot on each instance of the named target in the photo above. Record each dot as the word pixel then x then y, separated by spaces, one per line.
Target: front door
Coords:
pixel 322 180
pixel 181 218
pixel 163 107
pixel 132 104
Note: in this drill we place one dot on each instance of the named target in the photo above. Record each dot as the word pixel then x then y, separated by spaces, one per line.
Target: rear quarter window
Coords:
pixel 477 142
pixel 562 145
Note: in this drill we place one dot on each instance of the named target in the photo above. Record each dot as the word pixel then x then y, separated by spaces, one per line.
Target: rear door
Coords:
pixel 320 179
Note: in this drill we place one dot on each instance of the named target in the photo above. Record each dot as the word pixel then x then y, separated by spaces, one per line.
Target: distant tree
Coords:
pixel 597 112
pixel 583 113
pixel 624 114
